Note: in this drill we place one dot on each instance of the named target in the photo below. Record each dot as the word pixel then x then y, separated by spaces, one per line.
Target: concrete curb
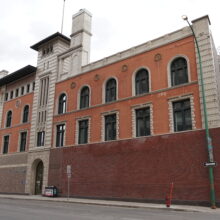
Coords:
pixel 113 203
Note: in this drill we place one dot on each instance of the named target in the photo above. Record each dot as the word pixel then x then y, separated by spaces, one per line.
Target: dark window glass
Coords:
pixel 60 135
pixel 84 97
pixel 110 90
pixel 25 114
pixel 6 144
pixel 22 90
pixel 11 94
pixel 40 138
pixel 6 96
pixel 23 140
pixel 33 86
pixel 8 119
pixel 142 82
pixel 182 115
pixel 179 72
pixel 28 88
pixel 143 122
pixel 110 127
pixel 83 132
pixel 62 104
pixel 16 92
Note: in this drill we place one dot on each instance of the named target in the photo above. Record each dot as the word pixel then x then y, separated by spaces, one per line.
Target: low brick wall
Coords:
pixel 13 173
pixel 141 168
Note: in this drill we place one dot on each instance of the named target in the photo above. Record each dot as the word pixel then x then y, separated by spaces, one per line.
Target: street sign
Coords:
pixel 210 164
pixel 68 171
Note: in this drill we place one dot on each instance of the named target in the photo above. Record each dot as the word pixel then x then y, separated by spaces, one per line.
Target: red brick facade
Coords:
pixel 140 168
pixel 159 95
pixel 131 165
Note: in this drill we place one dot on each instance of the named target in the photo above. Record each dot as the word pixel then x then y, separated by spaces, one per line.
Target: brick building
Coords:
pixel 128 125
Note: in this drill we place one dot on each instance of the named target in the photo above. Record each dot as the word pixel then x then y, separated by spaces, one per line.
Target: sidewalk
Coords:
pixel 113 203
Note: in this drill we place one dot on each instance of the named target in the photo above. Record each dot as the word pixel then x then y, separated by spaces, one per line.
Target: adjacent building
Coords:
pixel 126 126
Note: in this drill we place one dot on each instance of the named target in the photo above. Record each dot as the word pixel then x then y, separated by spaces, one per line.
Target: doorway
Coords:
pixel 39 178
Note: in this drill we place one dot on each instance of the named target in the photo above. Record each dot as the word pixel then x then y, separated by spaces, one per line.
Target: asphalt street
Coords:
pixel 12 209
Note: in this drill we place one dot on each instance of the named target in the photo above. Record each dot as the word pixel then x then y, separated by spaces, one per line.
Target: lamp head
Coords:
pixel 184 17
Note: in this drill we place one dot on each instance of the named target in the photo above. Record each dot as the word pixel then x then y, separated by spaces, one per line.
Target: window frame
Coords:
pixel 8 122
pixel 62 104
pixel 171 116
pixel 23 148
pixel 6 97
pixel 84 103
pixel 147 131
pixel 113 126
pixel 85 130
pixel 60 135
pixel 108 94
pixel 40 139
pixel 169 69
pixel 3 145
pixel 25 117
pixel 135 92
pixel 182 111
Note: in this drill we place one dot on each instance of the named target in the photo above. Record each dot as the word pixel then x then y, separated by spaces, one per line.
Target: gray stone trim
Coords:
pixel 103 124
pixel 161 91
pixel 158 42
pixel 79 96
pixel 11 166
pixel 210 72
pixel 55 133
pixel 134 77
pixel 77 129
pixel 170 110
pixel 104 88
pixel 33 160
pixel 169 68
pixel 133 117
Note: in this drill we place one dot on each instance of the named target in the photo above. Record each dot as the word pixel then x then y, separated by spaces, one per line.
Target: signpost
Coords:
pixel 69 174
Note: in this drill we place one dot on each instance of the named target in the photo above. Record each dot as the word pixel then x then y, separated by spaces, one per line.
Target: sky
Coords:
pixel 116 24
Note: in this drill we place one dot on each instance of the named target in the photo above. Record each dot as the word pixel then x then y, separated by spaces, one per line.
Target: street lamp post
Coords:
pixel 208 138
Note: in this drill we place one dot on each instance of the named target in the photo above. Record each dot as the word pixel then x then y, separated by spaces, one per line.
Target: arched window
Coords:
pixel 62 104
pixel 110 90
pixel 142 82
pixel 8 119
pixel 179 71
pixel 25 114
pixel 84 97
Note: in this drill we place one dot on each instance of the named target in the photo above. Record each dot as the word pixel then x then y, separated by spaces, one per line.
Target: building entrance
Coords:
pixel 39 178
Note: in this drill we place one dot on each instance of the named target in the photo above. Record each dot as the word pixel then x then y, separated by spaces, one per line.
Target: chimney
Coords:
pixel 3 73
pixel 81 34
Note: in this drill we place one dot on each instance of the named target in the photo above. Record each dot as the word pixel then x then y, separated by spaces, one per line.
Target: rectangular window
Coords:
pixel 40 138
pixel 182 115
pixel 60 135
pixel 6 144
pixel 110 127
pixel 6 96
pixel 11 94
pixel 83 132
pixel 22 90
pixel 28 88
pixel 143 122
pixel 23 141
pixel 33 86
pixel 16 92
pixel 44 89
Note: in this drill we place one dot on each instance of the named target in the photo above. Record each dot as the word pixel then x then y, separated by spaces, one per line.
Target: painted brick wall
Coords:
pixel 139 168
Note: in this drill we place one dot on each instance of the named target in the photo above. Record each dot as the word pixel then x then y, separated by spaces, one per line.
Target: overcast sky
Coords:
pixel 116 25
